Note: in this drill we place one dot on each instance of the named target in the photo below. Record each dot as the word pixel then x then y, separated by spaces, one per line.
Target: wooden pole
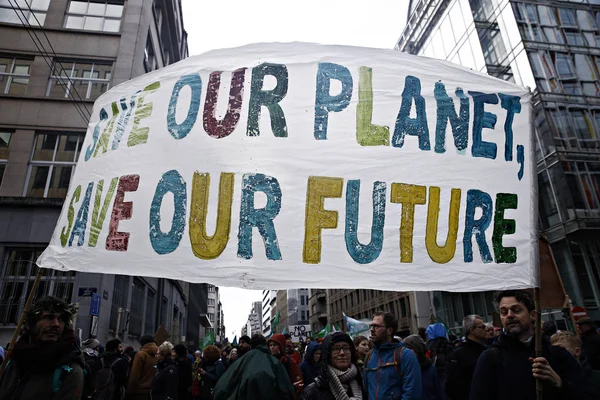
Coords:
pixel 32 292
pixel 539 390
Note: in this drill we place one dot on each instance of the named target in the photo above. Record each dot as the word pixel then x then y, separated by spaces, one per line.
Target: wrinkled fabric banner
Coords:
pixel 301 165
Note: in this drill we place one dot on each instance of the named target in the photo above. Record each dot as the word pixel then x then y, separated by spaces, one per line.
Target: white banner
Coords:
pixel 300 165
pixel 299 333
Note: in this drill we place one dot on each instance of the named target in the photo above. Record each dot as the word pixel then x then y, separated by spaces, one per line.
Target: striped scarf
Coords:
pixel 340 381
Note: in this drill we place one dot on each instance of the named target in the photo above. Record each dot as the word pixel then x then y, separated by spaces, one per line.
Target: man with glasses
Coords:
pixel 391 370
pixel 339 377
pixel 461 363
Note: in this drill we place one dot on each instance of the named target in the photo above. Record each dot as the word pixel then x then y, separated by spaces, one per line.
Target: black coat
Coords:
pixel 505 372
pixel 591 348
pixel 164 383
pixel 319 390
pixel 120 371
pixel 184 385
pixel 590 381
pixel 460 368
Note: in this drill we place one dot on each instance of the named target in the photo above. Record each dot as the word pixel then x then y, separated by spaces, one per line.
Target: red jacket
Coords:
pixel 288 361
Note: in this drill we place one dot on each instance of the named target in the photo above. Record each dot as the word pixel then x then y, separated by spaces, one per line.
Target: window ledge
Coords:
pixel 31 201
pixel 66 30
pixel 46 98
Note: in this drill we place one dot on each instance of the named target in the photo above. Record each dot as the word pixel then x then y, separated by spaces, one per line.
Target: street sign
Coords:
pixel 94 328
pixel 95 305
pixel 86 291
pixel 578 313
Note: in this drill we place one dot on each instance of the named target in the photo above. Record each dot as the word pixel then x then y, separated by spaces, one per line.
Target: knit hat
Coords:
pixel 145 339
pixel 90 344
pixel 585 321
pixel 245 339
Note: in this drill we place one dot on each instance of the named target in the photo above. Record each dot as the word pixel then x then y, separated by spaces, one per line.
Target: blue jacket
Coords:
pixel 381 378
pixel 309 369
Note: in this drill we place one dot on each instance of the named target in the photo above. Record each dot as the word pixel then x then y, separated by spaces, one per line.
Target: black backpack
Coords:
pixel 104 382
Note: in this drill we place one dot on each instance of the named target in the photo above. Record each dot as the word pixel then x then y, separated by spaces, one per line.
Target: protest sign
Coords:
pixel 299 333
pixel 288 165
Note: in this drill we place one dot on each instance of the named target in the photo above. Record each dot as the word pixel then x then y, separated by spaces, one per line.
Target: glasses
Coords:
pixel 376 326
pixel 339 349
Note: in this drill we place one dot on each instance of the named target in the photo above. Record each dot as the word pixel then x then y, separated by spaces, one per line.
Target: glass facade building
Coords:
pixel 554 49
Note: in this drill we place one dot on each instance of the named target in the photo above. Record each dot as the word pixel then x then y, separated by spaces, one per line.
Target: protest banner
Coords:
pixel 299 333
pixel 284 165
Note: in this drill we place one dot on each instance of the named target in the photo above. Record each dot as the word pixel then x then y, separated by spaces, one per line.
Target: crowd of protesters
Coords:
pixel 48 362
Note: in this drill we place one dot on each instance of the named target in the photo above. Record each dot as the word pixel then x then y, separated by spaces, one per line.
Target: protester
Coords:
pixel 244 345
pixel 590 378
pixel 111 379
pixel 390 371
pixel 461 364
pixel 591 341
pixel 225 356
pixel 165 382
pixel 142 370
pixel 289 349
pixel 508 370
pixel 440 348
pixel 233 356
pixel 548 329
pixel 362 347
pixel 339 377
pixel 256 376
pixel 211 369
pixel 431 388
pixel 277 346
pixel 184 372
pixel 311 365
pixel 46 362
pixel 489 332
pixel 91 357
pixel 422 332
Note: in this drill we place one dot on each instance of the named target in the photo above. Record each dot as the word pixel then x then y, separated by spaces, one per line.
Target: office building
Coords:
pixel 268 304
pixel 47 90
pixel 553 48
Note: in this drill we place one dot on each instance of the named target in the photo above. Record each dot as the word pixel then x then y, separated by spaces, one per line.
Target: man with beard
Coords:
pixel 244 345
pixel 46 362
pixel 391 370
pixel 508 370
pixel 113 362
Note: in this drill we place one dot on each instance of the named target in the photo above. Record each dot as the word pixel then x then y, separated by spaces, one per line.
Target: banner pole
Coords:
pixel 32 293
pixel 539 390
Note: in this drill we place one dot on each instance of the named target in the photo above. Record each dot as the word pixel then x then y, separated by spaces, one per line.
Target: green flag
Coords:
pixel 208 340
pixel 275 321
pixel 324 332
pixel 235 343
pixel 284 330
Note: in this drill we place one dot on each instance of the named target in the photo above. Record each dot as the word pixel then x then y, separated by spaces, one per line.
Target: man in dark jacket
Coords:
pixel 591 341
pixel 184 371
pixel 461 364
pixel 244 345
pixel 46 362
pixel 339 376
pixel 508 370
pixel 113 358
pixel 310 367
pixel 256 376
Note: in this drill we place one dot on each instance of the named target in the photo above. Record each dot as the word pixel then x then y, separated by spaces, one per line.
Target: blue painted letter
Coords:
pixel 512 105
pixel 82 217
pixel 477 198
pixel 179 131
pixel 412 126
pixel 324 101
pixel 165 243
pixel 483 119
pixel 96 134
pixel 445 112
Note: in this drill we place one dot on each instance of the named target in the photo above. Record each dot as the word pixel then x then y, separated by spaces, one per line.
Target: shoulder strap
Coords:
pixel 398 360
pixel 58 376
pixel 115 362
pixel 367 358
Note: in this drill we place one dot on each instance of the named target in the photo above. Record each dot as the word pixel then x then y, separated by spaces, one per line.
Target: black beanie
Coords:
pixel 144 340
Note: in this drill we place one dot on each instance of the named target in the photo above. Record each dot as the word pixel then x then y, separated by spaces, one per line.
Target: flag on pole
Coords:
pixel 336 328
pixel 285 330
pixel 235 342
pixel 275 320
pixel 355 327
pixel 208 340
pixel 324 332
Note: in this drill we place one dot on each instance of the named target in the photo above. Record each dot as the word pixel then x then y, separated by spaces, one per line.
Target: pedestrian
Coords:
pixel 225 356
pixel 489 333
pixel 91 357
pixel 184 372
pixel 431 387
pixel 244 345
pixel 233 355
pixel 591 341
pixel 277 347
pixel 211 369
pixel 290 351
pixel 391 371
pixel 461 364
pixel 311 365
pixel 590 378
pixel 440 348
pixel 46 362
pixel 548 329
pixel 508 370
pixel 142 370
pixel 111 379
pixel 339 377
pixel 362 347
pixel 165 381
pixel 255 376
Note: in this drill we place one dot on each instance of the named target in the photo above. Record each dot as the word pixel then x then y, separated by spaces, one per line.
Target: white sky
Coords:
pixel 231 23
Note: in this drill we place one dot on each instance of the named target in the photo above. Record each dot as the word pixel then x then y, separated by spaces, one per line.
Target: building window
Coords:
pixel 17 276
pixel 32 11
pixel 571 88
pixel 150 62
pixel 94 16
pixel 211 302
pixel 574 39
pixel 150 311
pixel 303 315
pixel 4 150
pixel 52 164
pixel 137 307
pixel 78 79
pixel 211 317
pixel 119 300
pixel 567 17
pixel 14 74
pixel 564 66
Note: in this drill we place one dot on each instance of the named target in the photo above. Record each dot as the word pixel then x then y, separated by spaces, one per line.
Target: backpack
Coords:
pixel 396 363
pixel 104 382
pixel 62 371
pixel 440 351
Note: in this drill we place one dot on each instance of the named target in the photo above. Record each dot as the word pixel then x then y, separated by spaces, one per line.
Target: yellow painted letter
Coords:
pixel 408 196
pixel 445 253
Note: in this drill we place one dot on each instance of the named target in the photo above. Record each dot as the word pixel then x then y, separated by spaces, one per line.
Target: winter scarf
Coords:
pixel 32 355
pixel 340 381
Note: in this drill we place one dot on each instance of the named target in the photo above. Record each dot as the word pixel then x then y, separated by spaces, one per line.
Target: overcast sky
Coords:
pixel 231 23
